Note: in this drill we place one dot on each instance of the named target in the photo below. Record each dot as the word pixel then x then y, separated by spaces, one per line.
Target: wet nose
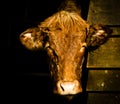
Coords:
pixel 68 87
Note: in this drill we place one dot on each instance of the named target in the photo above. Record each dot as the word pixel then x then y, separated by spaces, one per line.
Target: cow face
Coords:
pixel 64 36
pixel 66 54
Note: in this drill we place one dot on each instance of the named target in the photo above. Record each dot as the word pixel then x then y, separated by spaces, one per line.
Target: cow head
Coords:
pixel 65 36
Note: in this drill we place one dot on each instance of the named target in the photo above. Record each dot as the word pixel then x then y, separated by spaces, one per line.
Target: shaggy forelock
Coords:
pixel 66 21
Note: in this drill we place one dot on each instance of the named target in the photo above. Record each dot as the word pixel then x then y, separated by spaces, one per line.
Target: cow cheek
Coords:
pixel 54 72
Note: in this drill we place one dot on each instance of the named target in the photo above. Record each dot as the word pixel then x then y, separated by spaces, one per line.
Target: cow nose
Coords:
pixel 68 87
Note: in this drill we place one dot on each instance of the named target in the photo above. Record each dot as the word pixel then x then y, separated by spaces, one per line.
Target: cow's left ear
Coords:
pixel 97 35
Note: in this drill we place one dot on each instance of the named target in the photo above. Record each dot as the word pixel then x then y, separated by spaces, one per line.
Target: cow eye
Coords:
pixel 83 46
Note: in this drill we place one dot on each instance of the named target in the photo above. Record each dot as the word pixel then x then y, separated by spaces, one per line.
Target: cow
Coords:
pixel 65 36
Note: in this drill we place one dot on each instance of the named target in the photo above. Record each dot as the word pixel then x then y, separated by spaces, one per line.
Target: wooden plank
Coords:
pixel 107 55
pixel 103 98
pixel 116 31
pixel 105 12
pixel 103 80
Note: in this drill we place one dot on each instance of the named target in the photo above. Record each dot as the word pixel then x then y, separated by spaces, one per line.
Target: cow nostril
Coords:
pixel 61 87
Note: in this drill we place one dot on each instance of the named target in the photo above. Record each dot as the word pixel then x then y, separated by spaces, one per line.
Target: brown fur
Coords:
pixel 67 22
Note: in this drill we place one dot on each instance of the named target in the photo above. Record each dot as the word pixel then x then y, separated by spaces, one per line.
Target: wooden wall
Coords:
pixel 103 64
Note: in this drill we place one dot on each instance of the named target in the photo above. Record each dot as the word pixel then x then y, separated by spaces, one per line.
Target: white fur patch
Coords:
pixel 28 35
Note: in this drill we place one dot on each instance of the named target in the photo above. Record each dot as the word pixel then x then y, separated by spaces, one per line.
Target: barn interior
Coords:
pixel 30 82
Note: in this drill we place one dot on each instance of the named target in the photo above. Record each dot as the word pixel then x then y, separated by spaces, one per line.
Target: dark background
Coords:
pixel 28 71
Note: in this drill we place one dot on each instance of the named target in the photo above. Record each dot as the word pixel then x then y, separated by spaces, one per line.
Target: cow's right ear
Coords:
pixel 32 38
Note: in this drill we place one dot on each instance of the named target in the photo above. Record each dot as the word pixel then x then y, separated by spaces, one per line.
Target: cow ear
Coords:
pixel 31 38
pixel 97 35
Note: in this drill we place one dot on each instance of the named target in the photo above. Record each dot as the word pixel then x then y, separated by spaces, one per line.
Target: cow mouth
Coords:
pixel 68 97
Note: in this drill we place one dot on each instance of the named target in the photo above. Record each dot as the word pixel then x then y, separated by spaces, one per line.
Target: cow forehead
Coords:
pixel 66 46
pixel 67 40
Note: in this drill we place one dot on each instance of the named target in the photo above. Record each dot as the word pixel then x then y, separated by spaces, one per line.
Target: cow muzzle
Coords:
pixel 68 87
